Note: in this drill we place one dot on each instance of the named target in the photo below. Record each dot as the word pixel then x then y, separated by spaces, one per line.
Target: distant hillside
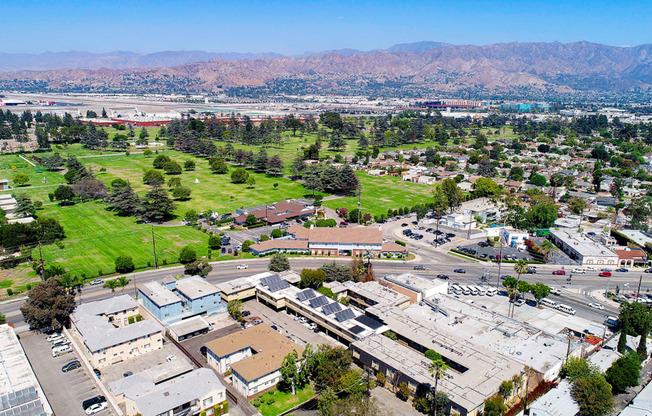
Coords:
pixel 424 66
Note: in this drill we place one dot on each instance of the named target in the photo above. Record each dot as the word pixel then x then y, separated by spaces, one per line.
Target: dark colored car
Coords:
pixel 404 224
pixel 559 272
pixel 97 372
pixel 245 314
pixel 443 276
pixel 88 403
pixel 648 270
pixel 127 374
pixel 459 271
pixel 622 270
pixel 73 365
pixel 420 267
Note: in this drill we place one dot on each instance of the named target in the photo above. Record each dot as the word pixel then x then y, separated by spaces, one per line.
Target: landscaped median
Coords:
pixel 275 402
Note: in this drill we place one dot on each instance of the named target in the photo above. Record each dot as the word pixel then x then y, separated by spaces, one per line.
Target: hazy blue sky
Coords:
pixel 293 27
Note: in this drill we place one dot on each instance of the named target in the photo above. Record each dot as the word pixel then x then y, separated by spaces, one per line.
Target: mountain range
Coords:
pixel 416 68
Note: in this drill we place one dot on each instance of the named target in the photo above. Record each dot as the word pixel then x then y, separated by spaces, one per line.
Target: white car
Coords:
pixel 242 266
pixel 97 282
pixel 555 291
pixel 96 408
pixel 590 269
pixel 578 271
pixel 170 358
pixel 55 337
pixel 596 306
pixel 519 302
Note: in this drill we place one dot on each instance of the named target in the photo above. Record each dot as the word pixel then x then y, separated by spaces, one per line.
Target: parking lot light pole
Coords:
pixel 500 254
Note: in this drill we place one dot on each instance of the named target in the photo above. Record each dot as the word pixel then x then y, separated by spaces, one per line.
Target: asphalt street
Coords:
pixel 579 294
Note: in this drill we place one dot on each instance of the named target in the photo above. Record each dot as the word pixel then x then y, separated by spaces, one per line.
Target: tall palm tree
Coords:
pixel 546 248
pixel 437 369
pixel 520 268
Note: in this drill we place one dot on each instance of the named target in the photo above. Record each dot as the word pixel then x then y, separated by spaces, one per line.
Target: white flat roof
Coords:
pixel 195 287
pixel 159 294
pixel 582 244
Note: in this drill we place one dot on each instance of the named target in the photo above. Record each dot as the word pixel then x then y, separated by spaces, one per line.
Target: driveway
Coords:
pixel 65 391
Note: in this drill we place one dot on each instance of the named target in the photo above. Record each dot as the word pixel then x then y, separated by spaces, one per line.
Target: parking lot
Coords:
pixel 65 391
pixel 427 234
pixel 483 250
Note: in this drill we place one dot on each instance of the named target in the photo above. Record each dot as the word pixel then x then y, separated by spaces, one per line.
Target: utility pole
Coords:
pixel 359 196
pixel 500 254
pixel 638 291
pixel 154 247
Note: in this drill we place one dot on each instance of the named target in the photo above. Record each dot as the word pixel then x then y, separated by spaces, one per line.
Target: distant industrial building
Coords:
pixel 20 391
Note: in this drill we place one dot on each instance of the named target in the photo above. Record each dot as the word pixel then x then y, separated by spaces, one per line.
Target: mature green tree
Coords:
pixel 485 187
pixel 218 166
pixel 24 206
pixel 111 284
pixel 187 255
pixel 261 161
pixel 64 193
pixel 160 161
pixel 198 268
pixel 453 193
pixel 157 205
pixel 279 263
pixel 124 264
pixel 516 173
pixel 335 272
pixel 639 210
pixel 246 244
pixel 153 177
pixel 312 178
pixel 289 373
pixel 312 278
pixel 593 395
pixel 624 372
pixel 123 200
pixel 251 182
pixel 577 205
pixel 336 141
pixel 239 175
pixel 235 308
pixel 21 179
pixel 181 193
pixel 541 215
pixel 172 168
pixel 576 368
pixel 494 406
pixel 189 164
pixel 48 305
pixel 214 242
pixel 539 291
pixel 275 165
pixel 438 368
pixel 298 166
pixel 538 180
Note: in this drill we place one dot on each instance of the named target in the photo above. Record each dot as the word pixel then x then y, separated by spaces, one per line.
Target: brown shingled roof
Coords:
pixel 357 235
pixel 280 245
pixel 270 348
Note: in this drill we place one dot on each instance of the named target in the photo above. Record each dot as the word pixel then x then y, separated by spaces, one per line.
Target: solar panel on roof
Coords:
pixel 370 322
pixel 267 281
pixel 344 315
pixel 356 329
pixel 317 302
pixel 276 286
pixel 306 294
pixel 331 308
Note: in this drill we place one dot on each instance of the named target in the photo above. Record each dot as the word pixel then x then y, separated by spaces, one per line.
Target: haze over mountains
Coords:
pixel 408 68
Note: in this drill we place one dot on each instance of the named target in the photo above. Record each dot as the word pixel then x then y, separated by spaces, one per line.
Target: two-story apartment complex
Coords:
pixel 254 357
pixel 112 330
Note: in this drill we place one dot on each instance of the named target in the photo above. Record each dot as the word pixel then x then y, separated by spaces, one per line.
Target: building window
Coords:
pixel 208 402
pixel 374 365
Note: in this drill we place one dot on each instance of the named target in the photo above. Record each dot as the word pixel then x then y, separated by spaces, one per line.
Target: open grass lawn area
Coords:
pixel 10 165
pixel 382 193
pixel 282 401
pixel 95 237
pixel 17 280
pixel 211 192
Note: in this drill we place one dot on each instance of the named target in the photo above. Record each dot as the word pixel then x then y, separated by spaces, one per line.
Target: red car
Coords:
pixel 605 274
pixel 559 272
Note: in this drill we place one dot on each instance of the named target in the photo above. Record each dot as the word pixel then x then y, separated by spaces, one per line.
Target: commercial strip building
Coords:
pixel 328 241
pixel 192 393
pixel 20 391
pixel 112 330
pixel 254 357
pixel 581 248
pixel 176 300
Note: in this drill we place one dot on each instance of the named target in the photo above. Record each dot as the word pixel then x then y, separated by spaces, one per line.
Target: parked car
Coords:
pixel 97 372
pixel 559 272
pixel 96 408
pixel 622 270
pixel 420 267
pixel 519 302
pixel 55 337
pixel 127 374
pixel 459 271
pixel 97 399
pixel 73 365
pixel 605 274
pixel 596 306
pixel 170 357
pixel 404 224
pixel 245 314
pixel 648 270
pixel 242 267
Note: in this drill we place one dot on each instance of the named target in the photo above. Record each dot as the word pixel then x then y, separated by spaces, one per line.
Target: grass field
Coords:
pixel 283 401
pixel 382 193
pixel 95 237
pixel 211 192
